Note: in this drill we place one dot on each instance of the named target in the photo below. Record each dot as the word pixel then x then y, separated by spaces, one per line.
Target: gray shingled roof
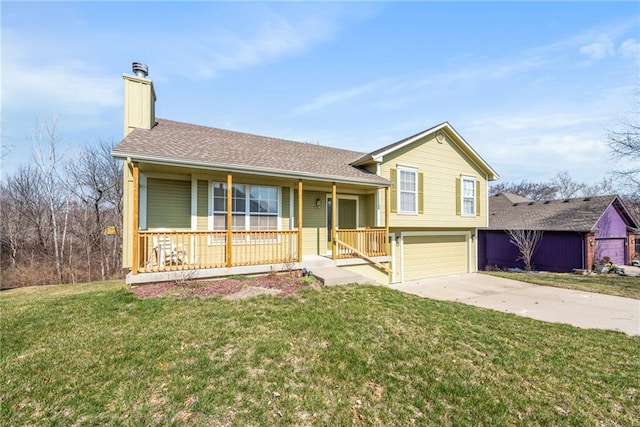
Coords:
pixel 188 144
pixel 508 211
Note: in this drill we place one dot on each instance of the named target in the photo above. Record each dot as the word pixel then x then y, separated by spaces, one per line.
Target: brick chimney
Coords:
pixel 139 100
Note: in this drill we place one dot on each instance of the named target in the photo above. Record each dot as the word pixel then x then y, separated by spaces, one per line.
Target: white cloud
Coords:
pixel 630 48
pixel 536 154
pixel 69 84
pixel 276 37
pixel 334 97
pixel 274 33
pixel 521 122
pixel 46 81
pixel 535 141
pixel 599 49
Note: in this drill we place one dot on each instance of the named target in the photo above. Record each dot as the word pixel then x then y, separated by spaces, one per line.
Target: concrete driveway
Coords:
pixel 582 309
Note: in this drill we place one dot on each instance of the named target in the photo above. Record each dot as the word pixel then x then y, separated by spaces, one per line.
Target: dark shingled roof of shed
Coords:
pixel 508 211
pixel 204 146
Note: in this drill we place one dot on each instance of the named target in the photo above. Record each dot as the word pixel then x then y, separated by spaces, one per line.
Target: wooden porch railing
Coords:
pixel 365 243
pixel 160 251
pixel 368 241
pixel 188 250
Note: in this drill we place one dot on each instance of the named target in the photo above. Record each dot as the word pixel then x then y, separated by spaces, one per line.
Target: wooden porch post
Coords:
pixel 334 217
pixel 300 221
pixel 229 220
pixel 387 211
pixel 386 218
pixel 136 219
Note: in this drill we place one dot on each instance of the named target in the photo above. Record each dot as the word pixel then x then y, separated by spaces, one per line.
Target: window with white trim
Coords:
pixel 253 207
pixel 468 196
pixel 407 190
pixel 263 207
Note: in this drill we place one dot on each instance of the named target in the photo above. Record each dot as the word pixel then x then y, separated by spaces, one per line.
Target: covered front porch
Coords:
pixel 307 222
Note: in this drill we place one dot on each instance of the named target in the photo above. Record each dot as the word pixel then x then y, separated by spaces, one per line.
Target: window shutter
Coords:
pixel 393 193
pixel 458 196
pixel 420 193
pixel 477 198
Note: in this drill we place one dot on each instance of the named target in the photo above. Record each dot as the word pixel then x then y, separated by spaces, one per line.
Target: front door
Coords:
pixel 347 215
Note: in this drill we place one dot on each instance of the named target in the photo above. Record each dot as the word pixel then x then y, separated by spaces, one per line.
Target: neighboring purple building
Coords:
pixel 577 232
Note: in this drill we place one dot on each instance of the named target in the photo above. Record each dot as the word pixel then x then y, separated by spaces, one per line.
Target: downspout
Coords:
pixel 584 244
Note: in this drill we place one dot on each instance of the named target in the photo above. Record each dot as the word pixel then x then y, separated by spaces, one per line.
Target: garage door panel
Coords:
pixel 613 248
pixel 427 256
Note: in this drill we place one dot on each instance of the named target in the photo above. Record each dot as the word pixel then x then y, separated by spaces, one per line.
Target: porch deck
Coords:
pixel 317 264
pixel 167 251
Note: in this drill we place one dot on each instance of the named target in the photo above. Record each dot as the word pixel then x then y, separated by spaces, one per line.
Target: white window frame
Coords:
pixel 463 197
pixel 413 171
pixel 247 206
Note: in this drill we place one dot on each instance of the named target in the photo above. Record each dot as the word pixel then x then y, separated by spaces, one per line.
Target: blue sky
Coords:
pixel 532 86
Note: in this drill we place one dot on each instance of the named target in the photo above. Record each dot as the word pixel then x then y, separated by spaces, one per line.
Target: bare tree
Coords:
pixel 11 226
pixel 45 144
pixel 565 186
pixel 624 143
pixel 527 242
pixel 61 222
pixel 24 205
pixel 531 190
pixel 95 178
pixel 605 187
pixel 560 186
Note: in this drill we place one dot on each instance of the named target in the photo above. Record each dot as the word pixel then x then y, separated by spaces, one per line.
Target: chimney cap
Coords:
pixel 140 69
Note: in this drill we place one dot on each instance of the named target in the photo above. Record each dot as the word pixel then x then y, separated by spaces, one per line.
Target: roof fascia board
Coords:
pixel 240 169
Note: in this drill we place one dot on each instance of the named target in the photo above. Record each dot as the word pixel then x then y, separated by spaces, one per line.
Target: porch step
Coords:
pixel 337 276
pixel 314 262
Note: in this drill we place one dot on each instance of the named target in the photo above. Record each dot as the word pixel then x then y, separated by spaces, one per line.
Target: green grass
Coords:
pixel 362 355
pixel 609 284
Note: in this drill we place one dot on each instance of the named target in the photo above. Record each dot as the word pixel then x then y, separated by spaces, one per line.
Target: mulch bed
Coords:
pixel 282 285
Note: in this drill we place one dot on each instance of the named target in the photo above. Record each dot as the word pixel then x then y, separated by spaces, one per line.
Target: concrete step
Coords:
pixel 337 276
pixel 313 262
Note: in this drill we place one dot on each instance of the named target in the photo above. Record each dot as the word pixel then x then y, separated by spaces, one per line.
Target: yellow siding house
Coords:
pixel 207 202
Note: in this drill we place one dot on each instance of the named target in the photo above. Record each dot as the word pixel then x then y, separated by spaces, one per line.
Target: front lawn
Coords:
pixel 363 355
pixel 609 284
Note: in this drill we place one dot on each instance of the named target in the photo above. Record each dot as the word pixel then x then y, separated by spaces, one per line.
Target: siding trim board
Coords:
pixel 194 204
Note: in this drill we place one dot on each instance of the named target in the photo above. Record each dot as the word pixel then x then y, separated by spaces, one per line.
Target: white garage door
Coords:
pixel 429 256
